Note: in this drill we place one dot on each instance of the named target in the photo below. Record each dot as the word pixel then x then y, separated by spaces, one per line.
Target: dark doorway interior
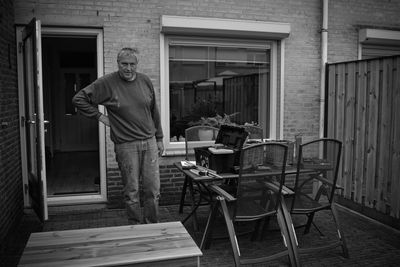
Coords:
pixel 72 141
pixel 73 173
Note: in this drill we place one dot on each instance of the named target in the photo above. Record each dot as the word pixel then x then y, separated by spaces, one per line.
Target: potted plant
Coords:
pixel 204 107
pixel 204 113
pixel 213 121
pixel 216 121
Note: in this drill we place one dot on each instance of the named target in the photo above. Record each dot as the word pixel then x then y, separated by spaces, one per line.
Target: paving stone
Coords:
pixel 370 243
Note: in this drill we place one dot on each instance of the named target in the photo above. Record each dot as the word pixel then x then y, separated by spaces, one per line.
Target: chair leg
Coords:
pixel 231 231
pixel 307 227
pixel 323 190
pixel 339 231
pixel 264 227
pixel 259 229
pixel 288 232
pixel 207 236
pixel 183 194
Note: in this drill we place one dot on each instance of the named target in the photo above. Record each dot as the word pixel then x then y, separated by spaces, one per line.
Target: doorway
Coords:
pixel 74 146
pixel 71 140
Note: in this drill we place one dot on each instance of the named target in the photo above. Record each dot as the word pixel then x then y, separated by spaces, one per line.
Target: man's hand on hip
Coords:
pixel 104 119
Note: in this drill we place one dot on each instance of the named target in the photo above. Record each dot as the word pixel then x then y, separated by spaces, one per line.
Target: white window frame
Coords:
pixel 213 30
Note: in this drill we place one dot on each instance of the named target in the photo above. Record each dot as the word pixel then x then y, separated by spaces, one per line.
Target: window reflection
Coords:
pixel 210 80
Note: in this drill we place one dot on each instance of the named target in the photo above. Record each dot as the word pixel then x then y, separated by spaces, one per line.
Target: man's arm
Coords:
pixel 156 119
pixel 159 133
pixel 84 102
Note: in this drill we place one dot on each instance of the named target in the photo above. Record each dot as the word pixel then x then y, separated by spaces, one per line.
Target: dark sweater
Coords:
pixel 131 106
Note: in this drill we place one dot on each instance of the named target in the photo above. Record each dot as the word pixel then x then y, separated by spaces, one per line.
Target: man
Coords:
pixel 135 128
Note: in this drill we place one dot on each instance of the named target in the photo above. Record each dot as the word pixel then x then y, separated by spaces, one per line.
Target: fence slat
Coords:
pixel 385 94
pixel 331 102
pixel 348 133
pixel 360 95
pixel 372 111
pixel 395 164
pixel 340 104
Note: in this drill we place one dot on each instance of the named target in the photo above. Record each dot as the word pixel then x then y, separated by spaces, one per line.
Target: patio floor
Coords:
pixel 370 243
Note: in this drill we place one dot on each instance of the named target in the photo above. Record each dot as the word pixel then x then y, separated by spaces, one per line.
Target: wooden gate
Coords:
pixel 363 111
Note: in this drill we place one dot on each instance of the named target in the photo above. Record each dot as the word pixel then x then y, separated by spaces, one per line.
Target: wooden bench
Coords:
pixel 161 244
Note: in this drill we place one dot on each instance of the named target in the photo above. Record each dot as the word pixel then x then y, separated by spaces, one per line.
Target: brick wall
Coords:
pixel 347 17
pixel 171 186
pixel 11 199
pixel 136 23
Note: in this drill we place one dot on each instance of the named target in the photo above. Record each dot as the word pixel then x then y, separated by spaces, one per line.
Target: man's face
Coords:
pixel 127 66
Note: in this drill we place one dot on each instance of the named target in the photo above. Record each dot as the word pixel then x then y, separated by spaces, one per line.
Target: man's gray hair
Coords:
pixel 127 51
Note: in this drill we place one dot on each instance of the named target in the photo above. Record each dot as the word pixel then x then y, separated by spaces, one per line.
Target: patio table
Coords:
pixel 205 180
pixel 156 244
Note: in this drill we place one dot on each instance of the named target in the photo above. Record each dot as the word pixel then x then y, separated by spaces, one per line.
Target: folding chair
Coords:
pixel 323 156
pixel 255 132
pixel 257 197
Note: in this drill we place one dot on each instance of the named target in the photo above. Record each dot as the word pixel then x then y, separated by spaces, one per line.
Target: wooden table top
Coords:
pixel 110 246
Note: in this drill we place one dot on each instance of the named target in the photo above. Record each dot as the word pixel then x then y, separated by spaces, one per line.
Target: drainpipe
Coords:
pixel 324 59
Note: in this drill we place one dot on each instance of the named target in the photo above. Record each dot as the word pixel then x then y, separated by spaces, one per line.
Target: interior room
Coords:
pixel 72 142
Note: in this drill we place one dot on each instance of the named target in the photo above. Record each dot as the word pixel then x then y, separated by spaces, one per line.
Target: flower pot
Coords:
pixel 206 135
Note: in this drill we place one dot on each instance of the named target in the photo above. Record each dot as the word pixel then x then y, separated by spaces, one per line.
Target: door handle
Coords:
pixel 34 122
pixel 45 122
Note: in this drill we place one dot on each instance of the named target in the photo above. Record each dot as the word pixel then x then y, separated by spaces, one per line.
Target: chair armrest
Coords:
pixel 326 181
pixel 221 192
pixel 275 188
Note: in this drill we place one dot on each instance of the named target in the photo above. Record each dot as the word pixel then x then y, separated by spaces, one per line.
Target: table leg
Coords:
pixel 183 195
pixel 194 207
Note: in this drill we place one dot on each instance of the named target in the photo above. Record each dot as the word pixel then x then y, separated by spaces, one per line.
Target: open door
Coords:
pixel 33 120
pixel 52 174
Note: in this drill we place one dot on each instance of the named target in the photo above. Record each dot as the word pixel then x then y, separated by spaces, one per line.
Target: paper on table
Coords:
pixel 186 164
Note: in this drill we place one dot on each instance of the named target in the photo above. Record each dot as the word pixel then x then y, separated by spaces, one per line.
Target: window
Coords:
pixel 378 43
pixel 218 66
pixel 207 79
pixel 373 51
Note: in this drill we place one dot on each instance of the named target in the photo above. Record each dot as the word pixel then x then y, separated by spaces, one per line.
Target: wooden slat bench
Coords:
pixel 161 244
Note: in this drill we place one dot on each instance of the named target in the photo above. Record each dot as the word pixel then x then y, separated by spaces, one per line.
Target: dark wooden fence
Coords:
pixel 240 94
pixel 363 111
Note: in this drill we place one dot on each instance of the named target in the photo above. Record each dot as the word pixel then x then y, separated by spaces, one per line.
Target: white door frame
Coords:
pixel 62 200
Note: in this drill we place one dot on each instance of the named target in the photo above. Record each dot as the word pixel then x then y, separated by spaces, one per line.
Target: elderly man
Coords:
pixel 134 121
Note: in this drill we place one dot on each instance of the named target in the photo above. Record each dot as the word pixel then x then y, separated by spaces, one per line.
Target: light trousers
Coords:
pixel 138 163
